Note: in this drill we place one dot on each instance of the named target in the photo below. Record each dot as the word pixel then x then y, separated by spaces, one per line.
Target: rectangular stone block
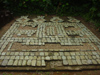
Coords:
pixel 43 63
pixel 4 63
pixel 74 62
pixel 70 62
pixel 78 61
pixel 33 63
pixel 29 62
pixel 15 63
pixel 24 62
pixel 20 62
pixel 65 62
pixel 39 63
pixel 10 62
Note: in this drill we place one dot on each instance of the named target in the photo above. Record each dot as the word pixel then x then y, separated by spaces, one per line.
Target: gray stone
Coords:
pixel 46 53
pixel 56 54
pixel 12 57
pixel 84 62
pixel 74 62
pixel 21 53
pixel 10 62
pixel 4 63
pixel 26 57
pixel 35 57
pixel 82 57
pixel 47 58
pixel 33 63
pixel 20 62
pixel 89 61
pixel 41 53
pixel 21 57
pixel 39 63
pixel 59 58
pixel 77 57
pixel 67 53
pixel 43 63
pixel 94 62
pixel 70 62
pixel 78 61
pixel 26 53
pixel 17 57
pixel 16 53
pixel 65 62
pixel 2 57
pixel 55 57
pixel 12 53
pixel 3 53
pixel 98 60
pixel 29 62
pixel 30 57
pixel 7 57
pixel 63 57
pixel 61 53
pixel 72 53
pixel 24 62
pixel 15 63
pixel 69 57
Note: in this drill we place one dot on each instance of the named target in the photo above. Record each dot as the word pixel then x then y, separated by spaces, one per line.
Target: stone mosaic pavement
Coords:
pixel 35 44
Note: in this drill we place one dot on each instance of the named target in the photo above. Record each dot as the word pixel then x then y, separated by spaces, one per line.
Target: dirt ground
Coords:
pixel 83 72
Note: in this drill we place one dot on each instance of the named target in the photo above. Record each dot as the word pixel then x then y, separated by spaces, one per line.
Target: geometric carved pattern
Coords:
pixel 66 44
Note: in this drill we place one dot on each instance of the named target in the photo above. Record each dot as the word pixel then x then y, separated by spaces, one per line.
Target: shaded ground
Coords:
pixel 88 72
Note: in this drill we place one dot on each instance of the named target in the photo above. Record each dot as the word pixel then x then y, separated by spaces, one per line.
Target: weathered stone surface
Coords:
pixel 33 63
pixel 89 61
pixel 94 61
pixel 55 57
pixel 2 57
pixel 69 57
pixel 47 43
pixel 43 63
pixel 78 61
pixel 15 63
pixel 24 62
pixel 16 53
pixel 41 53
pixel 47 58
pixel 29 62
pixel 26 53
pixel 26 57
pixel 12 57
pixel 70 62
pixel 72 53
pixel 21 53
pixel 82 57
pixel 65 62
pixel 61 53
pixel 39 63
pixel 63 57
pixel 84 62
pixel 74 62
pixel 3 53
pixel 10 62
pixel 7 57
pixel 4 63
pixel 20 62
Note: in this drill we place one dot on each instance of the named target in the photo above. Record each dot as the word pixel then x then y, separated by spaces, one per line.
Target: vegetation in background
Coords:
pixel 88 9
